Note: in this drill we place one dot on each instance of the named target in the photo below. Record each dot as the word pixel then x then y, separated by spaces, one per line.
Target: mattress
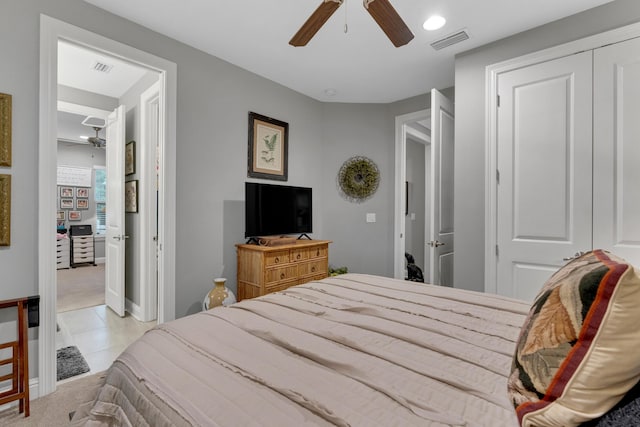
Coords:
pixel 350 350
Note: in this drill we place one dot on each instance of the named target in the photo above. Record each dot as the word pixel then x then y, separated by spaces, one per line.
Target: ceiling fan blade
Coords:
pixel 315 22
pixel 390 22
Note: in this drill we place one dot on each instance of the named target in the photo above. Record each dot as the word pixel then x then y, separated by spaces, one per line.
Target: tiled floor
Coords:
pixel 99 334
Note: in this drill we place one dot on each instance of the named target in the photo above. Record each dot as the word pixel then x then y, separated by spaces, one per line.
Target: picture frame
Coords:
pixel 75 215
pixel 61 216
pixel 66 203
pixel 268 148
pixel 5 210
pixel 82 192
pixel 130 158
pixel 66 191
pixel 82 203
pixel 5 129
pixel 131 196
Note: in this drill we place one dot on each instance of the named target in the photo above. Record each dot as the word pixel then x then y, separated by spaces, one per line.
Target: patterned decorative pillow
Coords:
pixel 577 354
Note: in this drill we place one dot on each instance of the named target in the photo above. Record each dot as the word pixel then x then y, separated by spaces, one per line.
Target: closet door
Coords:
pixel 616 162
pixel 544 166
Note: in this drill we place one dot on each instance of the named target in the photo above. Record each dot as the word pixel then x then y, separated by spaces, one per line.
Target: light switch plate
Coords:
pixel 371 217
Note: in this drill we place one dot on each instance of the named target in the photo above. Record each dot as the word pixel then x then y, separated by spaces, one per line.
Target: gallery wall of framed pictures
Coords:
pixel 72 201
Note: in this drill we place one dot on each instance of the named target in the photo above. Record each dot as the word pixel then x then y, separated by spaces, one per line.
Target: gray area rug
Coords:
pixel 70 363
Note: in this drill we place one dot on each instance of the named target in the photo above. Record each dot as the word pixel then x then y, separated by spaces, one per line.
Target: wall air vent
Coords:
pixel 451 39
pixel 101 67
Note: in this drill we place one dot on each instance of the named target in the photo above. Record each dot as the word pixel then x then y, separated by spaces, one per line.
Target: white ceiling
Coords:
pixel 77 68
pixel 362 65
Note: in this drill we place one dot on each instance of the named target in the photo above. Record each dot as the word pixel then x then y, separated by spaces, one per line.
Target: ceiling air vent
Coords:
pixel 103 68
pixel 451 39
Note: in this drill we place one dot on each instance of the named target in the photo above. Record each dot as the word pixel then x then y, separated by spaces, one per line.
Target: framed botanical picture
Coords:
pixel 130 158
pixel 61 216
pixel 75 215
pixel 5 210
pixel 66 203
pixel 82 192
pixel 66 191
pixel 268 147
pixel 131 196
pixel 82 203
pixel 5 129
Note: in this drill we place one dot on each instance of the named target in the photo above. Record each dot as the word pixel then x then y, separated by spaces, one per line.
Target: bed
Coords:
pixel 350 350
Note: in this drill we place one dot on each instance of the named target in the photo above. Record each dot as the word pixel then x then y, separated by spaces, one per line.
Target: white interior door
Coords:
pixel 544 144
pixel 115 232
pixel 442 163
pixel 616 189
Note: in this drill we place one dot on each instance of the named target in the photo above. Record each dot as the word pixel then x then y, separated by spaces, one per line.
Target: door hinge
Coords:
pixel 497 176
pixel 498 100
pixel 497 251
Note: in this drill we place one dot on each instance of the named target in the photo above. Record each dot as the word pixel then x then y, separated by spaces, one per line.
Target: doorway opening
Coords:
pixel 52 31
pixel 432 189
pixel 415 137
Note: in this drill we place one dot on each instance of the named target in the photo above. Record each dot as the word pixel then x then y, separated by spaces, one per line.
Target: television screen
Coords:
pixel 272 210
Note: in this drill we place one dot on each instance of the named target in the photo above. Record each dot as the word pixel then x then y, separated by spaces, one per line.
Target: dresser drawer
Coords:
pixel 279 274
pixel 298 255
pixel 318 252
pixel 280 286
pixel 276 258
pixel 80 246
pixel 78 259
pixel 313 268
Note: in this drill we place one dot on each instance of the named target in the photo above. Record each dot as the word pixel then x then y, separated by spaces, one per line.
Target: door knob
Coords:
pixel 577 255
pixel 435 243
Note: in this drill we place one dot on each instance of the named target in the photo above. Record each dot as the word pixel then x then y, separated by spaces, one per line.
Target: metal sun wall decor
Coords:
pixel 358 179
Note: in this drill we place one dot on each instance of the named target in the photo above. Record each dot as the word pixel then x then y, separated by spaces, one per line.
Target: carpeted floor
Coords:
pixel 53 409
pixel 80 287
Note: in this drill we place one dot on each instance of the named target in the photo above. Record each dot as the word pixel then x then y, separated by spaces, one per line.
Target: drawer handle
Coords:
pixel 276 260
pixel 298 256
pixel 313 269
pixel 318 252
pixel 282 275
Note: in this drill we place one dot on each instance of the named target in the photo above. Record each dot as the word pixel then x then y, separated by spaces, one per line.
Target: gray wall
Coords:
pixel 470 122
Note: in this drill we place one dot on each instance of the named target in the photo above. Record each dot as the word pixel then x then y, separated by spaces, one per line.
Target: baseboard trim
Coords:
pixel 34 393
pixel 100 260
pixel 134 309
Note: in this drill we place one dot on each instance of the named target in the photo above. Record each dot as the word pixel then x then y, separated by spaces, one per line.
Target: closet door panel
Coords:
pixel 544 163
pixel 616 192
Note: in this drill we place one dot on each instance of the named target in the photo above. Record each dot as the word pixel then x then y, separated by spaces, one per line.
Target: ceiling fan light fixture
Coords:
pixel 434 22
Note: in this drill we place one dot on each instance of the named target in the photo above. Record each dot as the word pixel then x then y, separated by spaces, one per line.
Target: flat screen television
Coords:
pixel 272 210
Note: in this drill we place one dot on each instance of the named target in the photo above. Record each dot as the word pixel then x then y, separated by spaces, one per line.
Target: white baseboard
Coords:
pixel 34 393
pixel 100 260
pixel 133 309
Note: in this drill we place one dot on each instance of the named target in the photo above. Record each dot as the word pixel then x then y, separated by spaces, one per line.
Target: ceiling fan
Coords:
pixel 96 140
pixel 381 11
pixel 96 123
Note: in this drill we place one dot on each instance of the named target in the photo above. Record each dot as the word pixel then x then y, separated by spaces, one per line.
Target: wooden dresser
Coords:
pixel 266 269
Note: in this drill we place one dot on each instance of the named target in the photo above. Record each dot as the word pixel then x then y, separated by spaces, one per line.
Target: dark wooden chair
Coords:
pixel 19 360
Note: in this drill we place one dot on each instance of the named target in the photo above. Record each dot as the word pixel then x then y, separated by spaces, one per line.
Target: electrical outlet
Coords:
pixel 371 217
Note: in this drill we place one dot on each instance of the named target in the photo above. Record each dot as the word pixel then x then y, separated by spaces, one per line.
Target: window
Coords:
pixel 100 195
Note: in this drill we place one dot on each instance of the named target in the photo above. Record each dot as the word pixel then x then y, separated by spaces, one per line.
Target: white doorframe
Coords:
pixel 492 74
pixel 400 197
pixel 52 30
pixel 150 105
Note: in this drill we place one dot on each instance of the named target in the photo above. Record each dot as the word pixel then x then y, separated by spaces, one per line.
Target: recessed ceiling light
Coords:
pixel 434 22
pixel 330 92
pixel 84 137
